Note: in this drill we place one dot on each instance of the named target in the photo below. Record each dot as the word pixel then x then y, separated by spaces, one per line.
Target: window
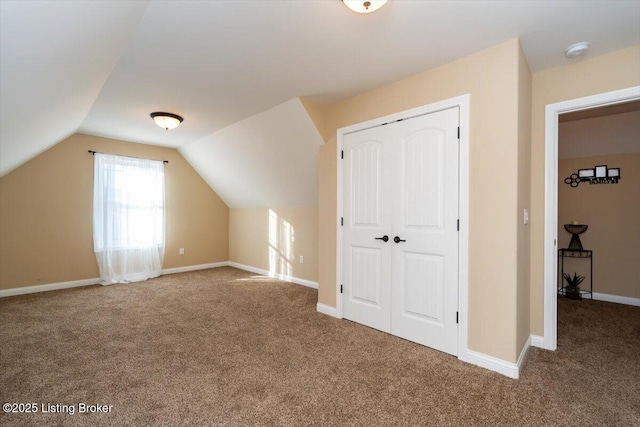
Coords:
pixel 128 217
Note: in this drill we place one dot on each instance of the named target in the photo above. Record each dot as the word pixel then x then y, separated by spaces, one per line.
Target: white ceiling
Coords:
pixel 269 159
pixel 100 67
pixel 55 57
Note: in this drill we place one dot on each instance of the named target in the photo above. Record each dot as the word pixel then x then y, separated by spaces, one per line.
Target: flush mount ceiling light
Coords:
pixel 361 6
pixel 166 120
pixel 576 50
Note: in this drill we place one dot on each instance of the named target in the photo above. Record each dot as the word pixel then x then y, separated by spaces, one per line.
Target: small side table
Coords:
pixel 574 253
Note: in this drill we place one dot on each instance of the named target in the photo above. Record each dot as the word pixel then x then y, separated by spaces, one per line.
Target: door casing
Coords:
pixel 463 103
pixel 552 111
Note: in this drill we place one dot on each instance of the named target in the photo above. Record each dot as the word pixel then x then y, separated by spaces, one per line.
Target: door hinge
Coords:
pixel 457 316
pixel 342 221
pixel 554 242
pixel 458 132
pixel 340 288
pixel 342 154
pixel 458 225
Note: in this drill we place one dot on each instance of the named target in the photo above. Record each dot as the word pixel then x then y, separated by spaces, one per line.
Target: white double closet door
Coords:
pixel 401 181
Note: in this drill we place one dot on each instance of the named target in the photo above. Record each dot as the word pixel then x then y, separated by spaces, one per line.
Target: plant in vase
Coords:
pixel 573 290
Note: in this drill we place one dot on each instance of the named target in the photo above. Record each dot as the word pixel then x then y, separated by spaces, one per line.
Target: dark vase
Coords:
pixel 573 292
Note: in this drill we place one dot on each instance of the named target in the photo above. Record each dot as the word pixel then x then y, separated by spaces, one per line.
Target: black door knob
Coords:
pixel 398 239
pixel 384 238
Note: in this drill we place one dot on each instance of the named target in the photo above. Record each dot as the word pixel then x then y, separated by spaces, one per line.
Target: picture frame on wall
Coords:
pixel 586 173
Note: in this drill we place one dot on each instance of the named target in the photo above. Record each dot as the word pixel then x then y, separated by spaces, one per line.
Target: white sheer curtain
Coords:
pixel 128 218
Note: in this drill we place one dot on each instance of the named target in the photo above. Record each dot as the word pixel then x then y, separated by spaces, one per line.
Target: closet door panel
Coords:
pixel 425 262
pixel 366 274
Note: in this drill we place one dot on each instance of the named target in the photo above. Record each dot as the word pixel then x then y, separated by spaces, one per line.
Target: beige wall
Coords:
pixel 274 239
pixel 496 79
pixel 318 114
pixel 612 212
pixel 46 214
pixel 524 198
pixel 605 73
pixel 614 134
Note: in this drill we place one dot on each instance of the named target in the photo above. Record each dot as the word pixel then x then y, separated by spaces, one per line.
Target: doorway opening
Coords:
pixel 564 112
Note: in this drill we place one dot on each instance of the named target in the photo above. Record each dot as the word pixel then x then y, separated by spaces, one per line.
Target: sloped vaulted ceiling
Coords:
pixel 55 56
pixel 269 159
pixel 235 70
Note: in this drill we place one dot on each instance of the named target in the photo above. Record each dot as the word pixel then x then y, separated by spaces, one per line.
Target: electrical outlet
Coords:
pixel 181 251
pixel 526 216
pixel 301 259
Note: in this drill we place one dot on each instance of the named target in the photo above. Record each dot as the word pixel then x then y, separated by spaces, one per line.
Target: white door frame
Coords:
pixel 463 102
pixel 552 111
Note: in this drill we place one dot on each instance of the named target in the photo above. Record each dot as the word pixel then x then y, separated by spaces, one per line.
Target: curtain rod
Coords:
pixel 131 157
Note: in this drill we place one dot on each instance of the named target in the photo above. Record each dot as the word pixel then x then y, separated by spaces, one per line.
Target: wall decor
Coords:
pixel 576 229
pixel 599 174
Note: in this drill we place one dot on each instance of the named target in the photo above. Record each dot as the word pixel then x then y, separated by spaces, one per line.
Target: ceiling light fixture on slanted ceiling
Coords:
pixel 362 6
pixel 166 120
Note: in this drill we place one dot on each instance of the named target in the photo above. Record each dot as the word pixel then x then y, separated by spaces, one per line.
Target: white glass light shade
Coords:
pixel 166 120
pixel 364 6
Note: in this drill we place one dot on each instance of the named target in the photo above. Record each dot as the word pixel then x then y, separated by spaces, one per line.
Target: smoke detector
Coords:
pixel 576 50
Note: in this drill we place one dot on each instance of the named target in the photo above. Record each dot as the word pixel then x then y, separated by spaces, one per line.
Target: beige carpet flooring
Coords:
pixel 225 347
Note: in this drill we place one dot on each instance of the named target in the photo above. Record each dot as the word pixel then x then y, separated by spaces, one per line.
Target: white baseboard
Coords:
pixel 511 370
pixel 96 281
pixel 327 309
pixel 194 267
pixel 278 276
pixel 537 341
pixel 617 299
pixel 248 268
pixel 48 287
pixel 523 354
